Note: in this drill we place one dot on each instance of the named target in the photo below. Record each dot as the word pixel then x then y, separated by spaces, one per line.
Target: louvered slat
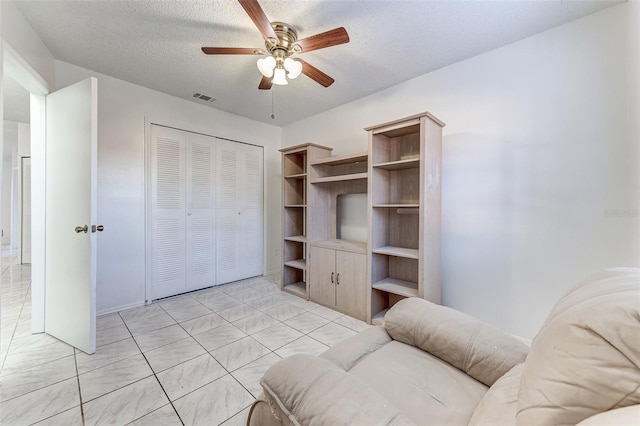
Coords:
pixel 168 158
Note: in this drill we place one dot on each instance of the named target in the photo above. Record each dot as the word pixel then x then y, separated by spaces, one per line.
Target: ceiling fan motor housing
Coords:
pixel 284 46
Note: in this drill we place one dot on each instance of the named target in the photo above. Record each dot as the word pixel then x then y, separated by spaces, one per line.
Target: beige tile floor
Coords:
pixel 194 359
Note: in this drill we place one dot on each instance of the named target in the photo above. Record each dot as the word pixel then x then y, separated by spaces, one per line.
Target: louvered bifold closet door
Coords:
pixel 252 222
pixel 200 235
pixel 229 200
pixel 168 201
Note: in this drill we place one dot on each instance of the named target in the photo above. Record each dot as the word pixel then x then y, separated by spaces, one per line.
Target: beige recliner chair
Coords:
pixel 432 365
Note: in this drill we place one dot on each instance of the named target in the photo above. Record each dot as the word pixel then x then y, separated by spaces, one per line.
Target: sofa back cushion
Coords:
pixel 586 357
pixel 480 350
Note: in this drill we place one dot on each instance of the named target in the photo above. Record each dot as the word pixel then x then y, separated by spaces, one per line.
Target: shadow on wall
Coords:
pixel 477 216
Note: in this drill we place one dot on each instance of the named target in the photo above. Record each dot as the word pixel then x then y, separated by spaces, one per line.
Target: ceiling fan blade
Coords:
pixel 255 12
pixel 315 74
pixel 322 40
pixel 265 83
pixel 232 51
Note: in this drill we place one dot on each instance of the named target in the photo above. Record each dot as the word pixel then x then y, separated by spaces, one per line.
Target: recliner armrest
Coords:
pixel 480 350
pixel 349 352
pixel 312 390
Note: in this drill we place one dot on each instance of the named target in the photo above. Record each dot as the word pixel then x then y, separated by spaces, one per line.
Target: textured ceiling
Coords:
pixel 157 44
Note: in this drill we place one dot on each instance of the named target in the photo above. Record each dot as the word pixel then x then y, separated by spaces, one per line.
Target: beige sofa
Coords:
pixel 431 365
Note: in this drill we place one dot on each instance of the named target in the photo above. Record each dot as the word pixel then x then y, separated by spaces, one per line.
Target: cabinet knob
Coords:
pixel 332 278
pixel 338 279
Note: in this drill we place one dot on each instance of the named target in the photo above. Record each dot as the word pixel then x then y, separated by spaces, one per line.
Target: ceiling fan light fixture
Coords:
pixel 293 67
pixel 266 66
pixel 279 77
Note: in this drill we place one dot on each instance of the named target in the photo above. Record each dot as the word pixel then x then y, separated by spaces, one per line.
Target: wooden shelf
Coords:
pixel 339 160
pixel 296 238
pixel 399 287
pixel 341 178
pixel 298 264
pixel 343 245
pixel 299 289
pixel 399 165
pixel 396 206
pixel 378 319
pixel 298 176
pixel 295 206
pixel 397 251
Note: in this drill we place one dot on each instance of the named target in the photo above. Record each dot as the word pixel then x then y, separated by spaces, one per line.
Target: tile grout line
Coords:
pixel 44 387
pixel 223 367
pixel 189 335
pixel 16 326
pixel 154 375
pixel 75 360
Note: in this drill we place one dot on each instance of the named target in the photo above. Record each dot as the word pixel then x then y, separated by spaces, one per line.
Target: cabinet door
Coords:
pixel 351 276
pixel 168 222
pixel 200 236
pixel 322 264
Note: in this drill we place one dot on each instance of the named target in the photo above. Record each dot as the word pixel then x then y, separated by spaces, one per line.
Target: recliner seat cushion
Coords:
pixel 423 387
pixel 586 357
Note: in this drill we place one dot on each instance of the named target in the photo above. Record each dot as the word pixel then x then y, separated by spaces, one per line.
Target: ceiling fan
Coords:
pixel 281 42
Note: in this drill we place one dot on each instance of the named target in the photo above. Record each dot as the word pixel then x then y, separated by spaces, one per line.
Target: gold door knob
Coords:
pixel 80 229
pixel 100 228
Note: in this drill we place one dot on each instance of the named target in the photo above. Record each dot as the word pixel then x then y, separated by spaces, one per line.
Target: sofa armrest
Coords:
pixel 480 350
pixel 312 390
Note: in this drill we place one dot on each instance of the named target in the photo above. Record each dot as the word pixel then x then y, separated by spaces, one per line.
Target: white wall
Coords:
pixel 122 109
pixel 535 152
pixel 19 35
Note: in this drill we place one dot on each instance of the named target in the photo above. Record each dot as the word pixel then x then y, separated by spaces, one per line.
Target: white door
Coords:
pixel 239 178
pixel 201 215
pixel 168 212
pixel 229 202
pixel 25 214
pixel 252 223
pixel 70 256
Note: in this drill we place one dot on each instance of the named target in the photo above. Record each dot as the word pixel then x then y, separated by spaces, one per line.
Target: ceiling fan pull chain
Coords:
pixel 273 117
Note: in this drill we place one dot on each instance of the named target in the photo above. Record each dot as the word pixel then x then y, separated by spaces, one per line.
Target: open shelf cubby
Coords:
pixel 339 168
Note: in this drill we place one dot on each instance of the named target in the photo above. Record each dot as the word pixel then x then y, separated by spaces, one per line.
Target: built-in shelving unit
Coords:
pixel 362 231
pixel 404 228
pixel 295 190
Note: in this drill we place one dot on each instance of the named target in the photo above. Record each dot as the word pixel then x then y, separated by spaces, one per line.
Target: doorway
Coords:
pixel 16 146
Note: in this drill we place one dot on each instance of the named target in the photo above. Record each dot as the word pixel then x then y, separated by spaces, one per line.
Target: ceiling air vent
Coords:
pixel 202 97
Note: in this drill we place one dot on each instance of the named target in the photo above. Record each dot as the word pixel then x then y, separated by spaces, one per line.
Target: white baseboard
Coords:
pixel 121 308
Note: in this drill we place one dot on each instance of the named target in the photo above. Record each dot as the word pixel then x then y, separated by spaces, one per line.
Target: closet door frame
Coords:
pixel 148 122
